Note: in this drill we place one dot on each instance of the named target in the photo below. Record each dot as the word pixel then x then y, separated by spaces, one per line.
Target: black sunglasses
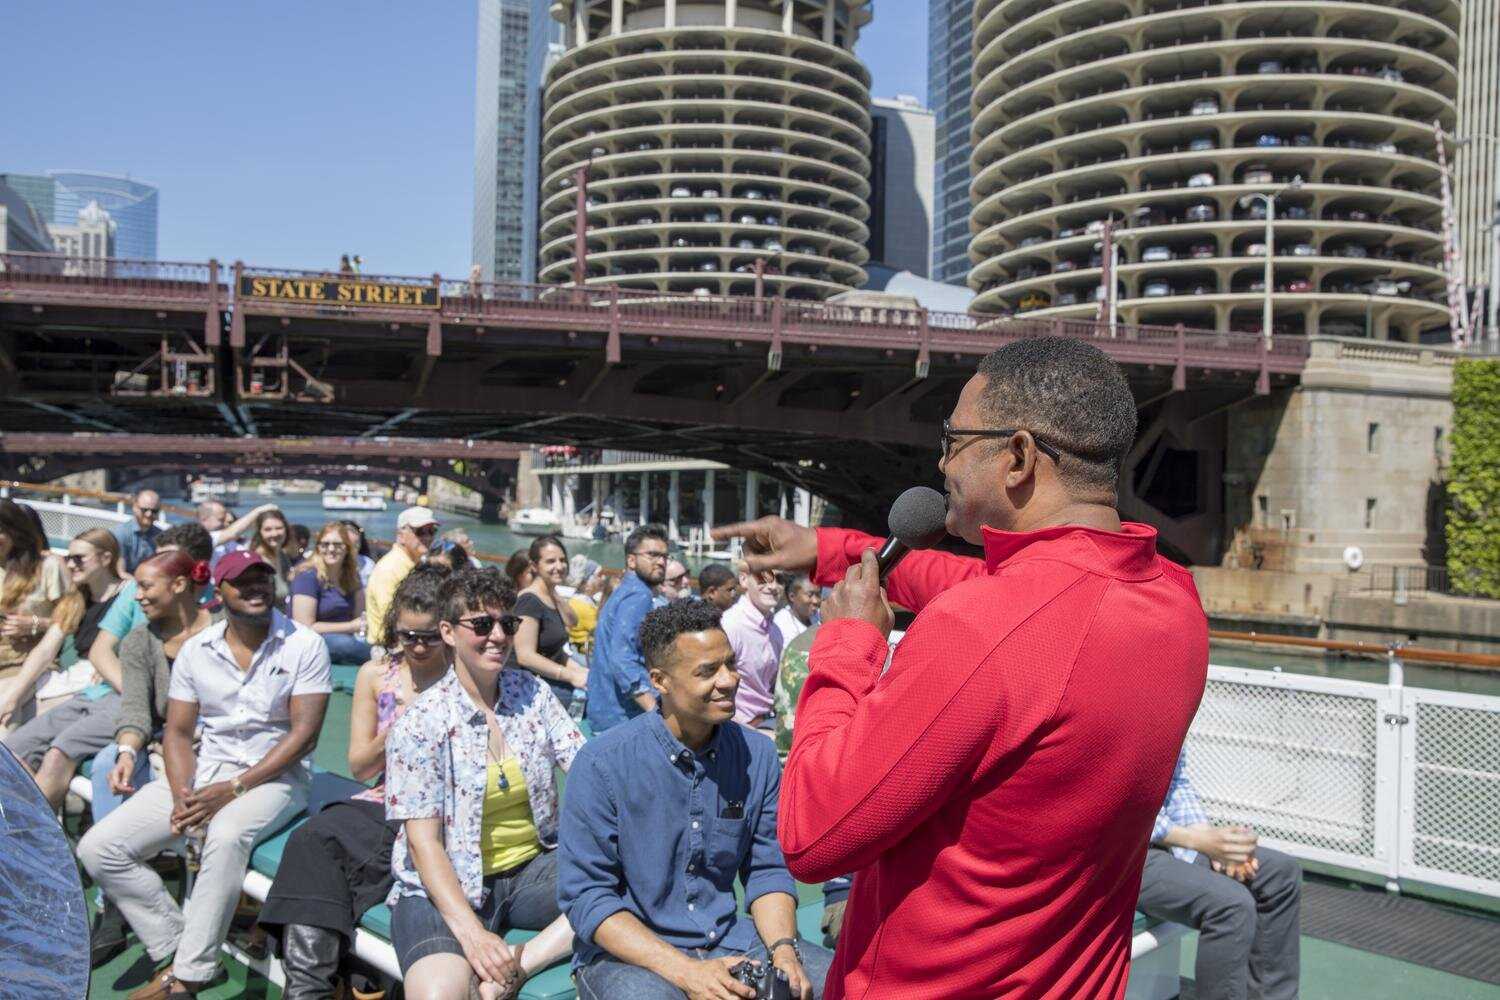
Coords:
pixel 483 625
pixel 74 560
pixel 950 432
pixel 417 637
pixel 150 511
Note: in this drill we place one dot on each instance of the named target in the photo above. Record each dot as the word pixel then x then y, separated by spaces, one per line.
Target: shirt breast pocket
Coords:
pixel 728 841
pixel 275 695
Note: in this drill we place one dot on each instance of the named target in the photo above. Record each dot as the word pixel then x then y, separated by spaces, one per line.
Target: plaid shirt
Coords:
pixel 1182 808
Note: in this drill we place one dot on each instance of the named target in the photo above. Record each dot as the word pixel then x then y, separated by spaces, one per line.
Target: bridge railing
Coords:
pixel 112 277
pixel 640 311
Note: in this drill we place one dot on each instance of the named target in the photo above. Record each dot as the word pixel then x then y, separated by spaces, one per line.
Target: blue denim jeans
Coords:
pixel 106 801
pixel 346 648
pixel 524 898
pixel 608 978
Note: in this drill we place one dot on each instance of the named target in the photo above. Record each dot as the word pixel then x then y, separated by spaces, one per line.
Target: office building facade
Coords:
pixel 901 176
pixel 1175 122
pixel 950 37
pixel 504 89
pixel 60 195
pixel 716 134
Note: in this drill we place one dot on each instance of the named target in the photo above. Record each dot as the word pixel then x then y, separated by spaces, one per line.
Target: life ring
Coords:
pixel 1354 557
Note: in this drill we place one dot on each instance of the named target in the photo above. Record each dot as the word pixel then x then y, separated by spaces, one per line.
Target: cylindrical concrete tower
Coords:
pixel 1167 114
pixel 717 133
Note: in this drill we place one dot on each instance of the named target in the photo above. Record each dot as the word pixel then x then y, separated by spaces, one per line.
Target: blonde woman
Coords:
pixel 52 744
pixel 328 598
pixel 31 584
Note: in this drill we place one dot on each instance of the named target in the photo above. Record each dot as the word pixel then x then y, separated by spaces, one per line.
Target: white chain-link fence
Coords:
pixel 1398 782
pixel 63 521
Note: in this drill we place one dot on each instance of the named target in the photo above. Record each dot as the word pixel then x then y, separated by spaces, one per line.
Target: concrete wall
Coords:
pixel 1354 456
pixel 1459 623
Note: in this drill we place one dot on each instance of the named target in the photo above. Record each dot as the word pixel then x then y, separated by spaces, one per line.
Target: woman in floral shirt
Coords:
pixel 470 771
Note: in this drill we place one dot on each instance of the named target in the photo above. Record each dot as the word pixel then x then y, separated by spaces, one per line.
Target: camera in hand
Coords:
pixel 769 982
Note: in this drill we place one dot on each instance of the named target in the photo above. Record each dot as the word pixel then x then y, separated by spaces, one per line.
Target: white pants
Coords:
pixel 115 853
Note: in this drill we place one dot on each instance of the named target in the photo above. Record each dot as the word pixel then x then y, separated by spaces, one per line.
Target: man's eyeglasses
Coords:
pixel 426 531
pixel 409 637
pixel 950 433
pixel 483 625
pixel 653 556
pixel 149 511
pixel 677 580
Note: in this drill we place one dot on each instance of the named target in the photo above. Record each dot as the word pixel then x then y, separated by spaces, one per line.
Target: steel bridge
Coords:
pixel 842 398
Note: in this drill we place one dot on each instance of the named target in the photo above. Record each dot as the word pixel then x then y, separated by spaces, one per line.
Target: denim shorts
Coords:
pixel 520 898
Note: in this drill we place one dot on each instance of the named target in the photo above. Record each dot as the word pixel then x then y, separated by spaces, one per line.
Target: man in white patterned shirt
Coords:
pixel 1242 899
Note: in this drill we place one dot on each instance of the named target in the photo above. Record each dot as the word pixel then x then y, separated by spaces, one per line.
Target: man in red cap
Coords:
pixel 257 683
pixel 994 781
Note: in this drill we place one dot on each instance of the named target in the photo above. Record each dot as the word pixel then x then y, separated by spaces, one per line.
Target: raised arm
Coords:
pixel 239 527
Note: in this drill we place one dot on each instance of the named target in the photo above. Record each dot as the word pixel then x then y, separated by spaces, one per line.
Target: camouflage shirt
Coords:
pixel 790 676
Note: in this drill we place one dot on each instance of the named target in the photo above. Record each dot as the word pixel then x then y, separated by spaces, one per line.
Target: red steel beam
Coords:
pixel 191 444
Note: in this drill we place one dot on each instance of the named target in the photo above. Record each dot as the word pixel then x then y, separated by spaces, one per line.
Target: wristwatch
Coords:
pixel 238 786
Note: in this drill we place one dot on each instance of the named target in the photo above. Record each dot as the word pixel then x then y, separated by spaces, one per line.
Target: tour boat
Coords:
pixel 534 521
pixel 214 488
pixel 353 496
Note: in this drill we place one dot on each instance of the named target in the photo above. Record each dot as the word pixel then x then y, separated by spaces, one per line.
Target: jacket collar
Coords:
pixel 1127 554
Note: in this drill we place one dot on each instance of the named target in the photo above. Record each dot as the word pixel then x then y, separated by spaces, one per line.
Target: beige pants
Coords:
pixel 115 853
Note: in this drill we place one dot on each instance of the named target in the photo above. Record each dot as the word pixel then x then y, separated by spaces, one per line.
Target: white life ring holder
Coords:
pixel 1354 557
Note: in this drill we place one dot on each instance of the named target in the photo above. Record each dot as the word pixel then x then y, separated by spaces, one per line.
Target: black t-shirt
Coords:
pixel 88 627
pixel 553 633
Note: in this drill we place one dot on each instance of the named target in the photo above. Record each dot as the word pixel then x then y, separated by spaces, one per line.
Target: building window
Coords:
pixel 1437 442
pixel 1263 508
pixel 1369 513
pixel 1372 438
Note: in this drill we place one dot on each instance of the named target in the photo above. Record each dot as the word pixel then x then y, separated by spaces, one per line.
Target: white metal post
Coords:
pixel 708 502
pixel 1266 314
pixel 674 503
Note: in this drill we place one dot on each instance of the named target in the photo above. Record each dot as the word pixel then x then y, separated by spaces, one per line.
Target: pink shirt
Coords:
pixel 757 652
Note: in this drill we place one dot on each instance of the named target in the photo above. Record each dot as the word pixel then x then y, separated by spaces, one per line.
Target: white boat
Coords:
pixel 534 521
pixel 353 496
pixel 214 488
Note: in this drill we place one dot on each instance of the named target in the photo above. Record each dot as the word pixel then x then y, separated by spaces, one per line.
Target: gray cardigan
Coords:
pixel 145 675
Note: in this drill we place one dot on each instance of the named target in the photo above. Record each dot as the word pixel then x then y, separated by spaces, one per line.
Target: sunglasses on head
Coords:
pixel 483 625
pixel 417 636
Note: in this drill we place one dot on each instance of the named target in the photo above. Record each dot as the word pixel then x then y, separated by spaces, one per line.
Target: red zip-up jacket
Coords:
pixel 995 788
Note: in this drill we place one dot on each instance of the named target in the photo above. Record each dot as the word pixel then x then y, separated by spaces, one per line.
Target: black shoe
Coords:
pixel 108 935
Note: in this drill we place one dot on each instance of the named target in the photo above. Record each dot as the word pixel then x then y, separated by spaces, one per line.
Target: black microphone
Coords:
pixel 916 521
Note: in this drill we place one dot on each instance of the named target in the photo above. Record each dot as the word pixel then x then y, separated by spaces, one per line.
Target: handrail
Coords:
pixel 78 492
pixel 1415 654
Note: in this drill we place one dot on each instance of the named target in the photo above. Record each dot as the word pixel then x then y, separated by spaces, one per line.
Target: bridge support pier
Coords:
pixel 645 498
pixel 752 495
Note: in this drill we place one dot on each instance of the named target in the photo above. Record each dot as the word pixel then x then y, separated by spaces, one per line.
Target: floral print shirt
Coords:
pixel 436 761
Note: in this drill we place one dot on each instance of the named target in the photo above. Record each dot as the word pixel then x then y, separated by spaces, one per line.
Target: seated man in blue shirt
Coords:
pixel 619 687
pixel 661 814
pixel 1243 899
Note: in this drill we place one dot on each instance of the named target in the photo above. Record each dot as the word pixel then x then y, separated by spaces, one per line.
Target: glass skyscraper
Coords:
pixel 132 205
pixel 59 195
pixel 512 45
pixel 950 57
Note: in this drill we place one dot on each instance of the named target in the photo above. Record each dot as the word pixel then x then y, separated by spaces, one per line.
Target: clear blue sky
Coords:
pixel 286 133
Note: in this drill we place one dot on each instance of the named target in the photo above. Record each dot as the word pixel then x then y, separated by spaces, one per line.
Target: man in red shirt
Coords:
pixel 994 786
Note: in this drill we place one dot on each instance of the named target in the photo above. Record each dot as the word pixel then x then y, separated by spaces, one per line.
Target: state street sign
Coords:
pixel 337 291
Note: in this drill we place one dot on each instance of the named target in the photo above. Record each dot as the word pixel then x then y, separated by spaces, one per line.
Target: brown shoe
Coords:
pixel 165 984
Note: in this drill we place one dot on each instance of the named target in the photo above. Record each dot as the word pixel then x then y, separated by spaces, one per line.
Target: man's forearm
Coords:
pixel 775 917
pixel 624 936
pixel 1184 837
pixel 180 761
pixel 292 748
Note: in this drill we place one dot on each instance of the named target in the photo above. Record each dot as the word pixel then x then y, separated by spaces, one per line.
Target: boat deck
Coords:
pixel 1455 939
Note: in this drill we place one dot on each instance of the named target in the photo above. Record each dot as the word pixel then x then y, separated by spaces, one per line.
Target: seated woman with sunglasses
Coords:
pixel 328 598
pixel 338 864
pixel 471 775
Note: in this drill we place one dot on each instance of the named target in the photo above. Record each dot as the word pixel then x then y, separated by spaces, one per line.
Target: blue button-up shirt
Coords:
pixel 1182 808
pixel 136 546
pixel 655 829
pixel 617 670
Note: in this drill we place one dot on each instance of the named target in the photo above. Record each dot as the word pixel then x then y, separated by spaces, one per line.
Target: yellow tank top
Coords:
pixel 507 836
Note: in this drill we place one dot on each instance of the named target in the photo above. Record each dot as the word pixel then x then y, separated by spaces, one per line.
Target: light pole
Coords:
pixel 1269 200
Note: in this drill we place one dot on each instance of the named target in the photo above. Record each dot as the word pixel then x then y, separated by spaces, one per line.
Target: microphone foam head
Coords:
pixel 917 517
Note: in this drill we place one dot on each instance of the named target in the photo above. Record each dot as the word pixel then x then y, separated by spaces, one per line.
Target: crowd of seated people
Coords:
pixel 456 816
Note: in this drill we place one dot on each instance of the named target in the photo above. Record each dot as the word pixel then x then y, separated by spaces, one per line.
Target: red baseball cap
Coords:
pixel 234 564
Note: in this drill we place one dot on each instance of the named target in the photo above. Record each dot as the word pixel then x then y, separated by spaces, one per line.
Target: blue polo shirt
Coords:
pixel 650 827
pixel 617 669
